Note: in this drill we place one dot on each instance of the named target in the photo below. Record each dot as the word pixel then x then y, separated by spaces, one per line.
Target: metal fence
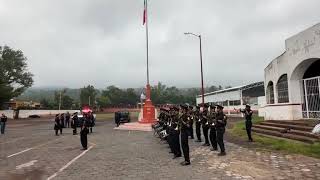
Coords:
pixel 311 97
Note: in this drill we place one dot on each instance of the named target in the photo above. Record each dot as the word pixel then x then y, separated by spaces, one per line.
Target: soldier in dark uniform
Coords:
pixel 221 122
pixel 170 130
pixel 175 133
pixel 68 120
pixel 57 124
pixel 74 122
pixel 247 112
pixel 3 122
pixel 205 124
pixel 198 123
pixel 117 118
pixel 92 121
pixel 84 132
pixel 61 117
pixel 184 129
pixel 191 119
pixel 213 132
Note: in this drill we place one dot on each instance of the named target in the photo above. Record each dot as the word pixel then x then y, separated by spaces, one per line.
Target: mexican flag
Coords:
pixel 145 12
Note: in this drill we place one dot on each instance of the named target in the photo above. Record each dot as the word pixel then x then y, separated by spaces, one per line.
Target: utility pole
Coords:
pixel 201 70
pixel 60 101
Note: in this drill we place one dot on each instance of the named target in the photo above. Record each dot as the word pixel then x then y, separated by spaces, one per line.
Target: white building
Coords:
pixel 236 97
pixel 292 80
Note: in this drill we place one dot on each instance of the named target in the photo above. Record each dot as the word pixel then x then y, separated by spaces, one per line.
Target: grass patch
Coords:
pixel 105 116
pixel 110 116
pixel 266 142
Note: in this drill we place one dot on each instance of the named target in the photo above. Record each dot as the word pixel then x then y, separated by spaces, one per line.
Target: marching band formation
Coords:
pixel 175 125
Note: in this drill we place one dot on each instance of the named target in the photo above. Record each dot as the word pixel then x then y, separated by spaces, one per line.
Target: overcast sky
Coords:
pixel 73 43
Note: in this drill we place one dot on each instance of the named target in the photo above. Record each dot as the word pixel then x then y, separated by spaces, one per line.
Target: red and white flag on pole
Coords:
pixel 145 12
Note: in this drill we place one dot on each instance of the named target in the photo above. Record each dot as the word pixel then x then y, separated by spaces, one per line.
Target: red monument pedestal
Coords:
pixel 148 109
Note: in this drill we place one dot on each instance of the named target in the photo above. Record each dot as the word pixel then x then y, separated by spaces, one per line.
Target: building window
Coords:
pixel 282 89
pixel 270 93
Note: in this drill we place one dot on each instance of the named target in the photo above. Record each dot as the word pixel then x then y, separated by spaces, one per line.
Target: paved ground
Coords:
pixel 33 152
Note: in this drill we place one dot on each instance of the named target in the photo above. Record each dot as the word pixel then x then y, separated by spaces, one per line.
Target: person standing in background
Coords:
pixel 3 122
pixel 68 120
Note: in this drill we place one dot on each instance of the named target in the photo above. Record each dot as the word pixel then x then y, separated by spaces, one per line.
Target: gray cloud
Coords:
pixel 102 42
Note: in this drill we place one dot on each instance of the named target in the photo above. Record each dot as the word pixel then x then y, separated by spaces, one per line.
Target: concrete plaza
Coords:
pixel 30 150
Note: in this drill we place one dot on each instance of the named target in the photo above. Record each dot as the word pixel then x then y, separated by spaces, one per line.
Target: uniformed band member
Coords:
pixel 247 112
pixel 198 123
pixel 175 133
pixel 170 130
pixel 205 124
pixel 84 132
pixel 184 129
pixel 220 124
pixel 213 132
pixel 3 122
pixel 57 124
pixel 61 118
pixel 74 122
pixel 191 116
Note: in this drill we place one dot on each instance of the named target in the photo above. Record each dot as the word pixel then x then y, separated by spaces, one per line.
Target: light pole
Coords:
pixel 202 88
pixel 60 101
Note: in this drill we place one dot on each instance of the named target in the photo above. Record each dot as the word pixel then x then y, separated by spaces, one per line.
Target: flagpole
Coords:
pixel 147 41
pixel 148 111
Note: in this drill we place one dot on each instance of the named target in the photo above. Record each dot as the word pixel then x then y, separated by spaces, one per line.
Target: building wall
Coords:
pixel 27 113
pixel 231 96
pixel 301 51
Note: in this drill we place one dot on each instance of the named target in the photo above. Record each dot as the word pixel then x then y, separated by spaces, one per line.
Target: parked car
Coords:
pixel 122 117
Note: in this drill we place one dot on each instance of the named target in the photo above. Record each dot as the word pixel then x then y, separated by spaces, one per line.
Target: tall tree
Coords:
pixel 65 101
pixel 103 101
pixel 88 95
pixel 15 78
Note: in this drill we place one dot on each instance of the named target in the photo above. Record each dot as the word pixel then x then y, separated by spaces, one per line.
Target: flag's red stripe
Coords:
pixel 144 16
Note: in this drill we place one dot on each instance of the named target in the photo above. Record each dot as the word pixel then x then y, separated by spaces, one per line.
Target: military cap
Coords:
pixel 175 108
pixel 247 105
pixel 219 106
pixel 183 106
pixel 212 106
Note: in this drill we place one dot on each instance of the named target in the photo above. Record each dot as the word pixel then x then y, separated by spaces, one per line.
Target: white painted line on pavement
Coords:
pixel 69 163
pixel 26 164
pixel 14 140
pixel 19 152
pixel 34 147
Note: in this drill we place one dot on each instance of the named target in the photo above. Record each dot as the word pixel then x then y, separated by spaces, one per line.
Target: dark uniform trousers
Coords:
pixel 176 143
pixel 74 130
pixel 213 137
pixel 169 139
pixel 185 144
pixel 205 133
pixel 191 131
pixel 220 133
pixel 248 128
pixel 84 138
pixel 198 130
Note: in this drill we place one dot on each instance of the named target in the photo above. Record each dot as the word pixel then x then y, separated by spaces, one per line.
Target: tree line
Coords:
pixel 112 96
pixel 16 79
